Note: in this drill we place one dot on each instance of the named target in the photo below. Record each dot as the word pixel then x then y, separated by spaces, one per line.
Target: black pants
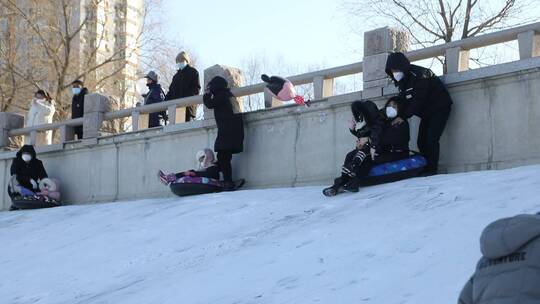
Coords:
pixel 429 134
pixel 78 132
pixel 224 159
pixel 153 120
pixel 360 171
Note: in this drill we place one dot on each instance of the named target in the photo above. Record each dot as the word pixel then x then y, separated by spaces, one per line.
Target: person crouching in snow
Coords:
pixel 26 173
pixel 207 168
pixel 366 126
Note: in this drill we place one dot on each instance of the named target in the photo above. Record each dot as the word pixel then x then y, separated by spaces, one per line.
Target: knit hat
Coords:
pixel 183 56
pixel 152 76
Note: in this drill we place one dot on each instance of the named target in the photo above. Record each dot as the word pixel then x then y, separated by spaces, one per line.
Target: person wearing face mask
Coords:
pixel 155 94
pixel 230 125
pixel 207 168
pixel 394 139
pixel 423 94
pixel 77 104
pixel 27 170
pixel 41 112
pixel 185 83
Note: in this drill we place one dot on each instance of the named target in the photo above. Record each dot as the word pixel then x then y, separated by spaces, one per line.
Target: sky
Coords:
pixel 227 32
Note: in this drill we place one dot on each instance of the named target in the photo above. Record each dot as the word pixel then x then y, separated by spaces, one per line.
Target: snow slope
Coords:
pixel 414 241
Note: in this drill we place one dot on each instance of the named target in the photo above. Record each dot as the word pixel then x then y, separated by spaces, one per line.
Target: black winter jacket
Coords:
pixel 367 111
pixel 210 172
pixel 155 94
pixel 26 171
pixel 185 83
pixel 422 92
pixel 230 125
pixel 77 104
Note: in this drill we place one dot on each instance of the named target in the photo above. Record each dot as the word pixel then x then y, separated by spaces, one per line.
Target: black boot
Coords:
pixel 352 186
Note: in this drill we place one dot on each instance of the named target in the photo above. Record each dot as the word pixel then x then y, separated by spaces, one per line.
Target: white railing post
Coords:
pixel 33 138
pixel 67 133
pixel 171 112
pixel 529 44
pixel 8 122
pixel 135 118
pixel 377 44
pixel 457 60
pixel 322 88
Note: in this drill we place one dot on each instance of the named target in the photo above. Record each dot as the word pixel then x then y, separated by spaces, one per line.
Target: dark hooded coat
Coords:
pixel 422 92
pixel 24 171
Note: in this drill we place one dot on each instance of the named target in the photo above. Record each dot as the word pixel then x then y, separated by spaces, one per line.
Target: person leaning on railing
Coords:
pixel 41 112
pixel 77 104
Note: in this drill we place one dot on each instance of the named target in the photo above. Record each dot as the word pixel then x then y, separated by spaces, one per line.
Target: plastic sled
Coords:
pixel 395 171
pixel 188 185
pixel 33 202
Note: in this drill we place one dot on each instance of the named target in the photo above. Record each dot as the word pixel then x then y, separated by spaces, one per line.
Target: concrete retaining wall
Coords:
pixel 494 124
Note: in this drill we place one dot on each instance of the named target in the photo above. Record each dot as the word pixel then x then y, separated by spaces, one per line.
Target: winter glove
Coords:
pixel 34 184
pixel 373 153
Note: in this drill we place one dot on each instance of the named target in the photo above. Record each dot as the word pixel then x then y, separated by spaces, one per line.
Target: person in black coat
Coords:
pixel 27 169
pixel 77 104
pixel 366 126
pixel 154 95
pixel 230 137
pixel 425 96
pixel 185 83
pixel 394 139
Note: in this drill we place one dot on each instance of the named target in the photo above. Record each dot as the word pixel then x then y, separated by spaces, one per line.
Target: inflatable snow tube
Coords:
pixel 395 171
pixel 188 185
pixel 33 203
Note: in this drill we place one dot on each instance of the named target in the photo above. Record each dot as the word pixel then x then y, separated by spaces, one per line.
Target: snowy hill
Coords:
pixel 414 241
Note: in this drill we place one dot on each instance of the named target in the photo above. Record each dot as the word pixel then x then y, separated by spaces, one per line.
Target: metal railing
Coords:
pixel 319 79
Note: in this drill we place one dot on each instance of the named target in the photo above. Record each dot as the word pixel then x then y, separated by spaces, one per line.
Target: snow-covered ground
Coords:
pixel 414 241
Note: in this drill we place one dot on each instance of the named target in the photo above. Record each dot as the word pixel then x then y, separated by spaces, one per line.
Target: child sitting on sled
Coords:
pixel 207 168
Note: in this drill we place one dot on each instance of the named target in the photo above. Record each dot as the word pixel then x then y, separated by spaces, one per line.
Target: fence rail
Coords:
pixel 453 51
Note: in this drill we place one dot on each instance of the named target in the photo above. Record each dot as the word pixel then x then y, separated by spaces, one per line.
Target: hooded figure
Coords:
pixel 28 170
pixel 394 140
pixel 230 137
pixel 424 95
pixel 41 112
pixel 367 121
pixel 509 271
pixel 185 83
pixel 77 104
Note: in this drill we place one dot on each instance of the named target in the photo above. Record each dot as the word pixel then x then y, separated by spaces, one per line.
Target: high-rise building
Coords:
pixel 49 43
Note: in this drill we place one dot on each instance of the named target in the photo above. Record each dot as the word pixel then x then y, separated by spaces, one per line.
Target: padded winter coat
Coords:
pixel 26 171
pixel 509 271
pixel 185 83
pixel 40 113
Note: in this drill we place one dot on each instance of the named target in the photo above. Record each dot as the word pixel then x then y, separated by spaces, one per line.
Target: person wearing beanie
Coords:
pixel 185 83
pixel 155 94
pixel 509 269
pixel 41 112
pixel 423 94
pixel 230 137
pixel 207 168
pixel 77 104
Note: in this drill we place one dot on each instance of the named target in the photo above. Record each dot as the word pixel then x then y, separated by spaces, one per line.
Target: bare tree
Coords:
pixel 440 21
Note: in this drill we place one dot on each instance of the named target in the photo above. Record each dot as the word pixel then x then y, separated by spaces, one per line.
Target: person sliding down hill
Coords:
pixel 366 125
pixel 207 168
pixel 26 171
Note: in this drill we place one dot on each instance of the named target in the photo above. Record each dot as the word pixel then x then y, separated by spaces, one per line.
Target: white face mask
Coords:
pixel 360 125
pixel 398 76
pixel 26 157
pixel 181 65
pixel 76 91
pixel 391 112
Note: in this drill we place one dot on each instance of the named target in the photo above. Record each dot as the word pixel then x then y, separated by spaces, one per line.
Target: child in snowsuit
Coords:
pixel 207 168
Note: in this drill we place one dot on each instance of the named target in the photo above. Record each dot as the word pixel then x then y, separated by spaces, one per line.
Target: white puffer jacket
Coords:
pixel 41 112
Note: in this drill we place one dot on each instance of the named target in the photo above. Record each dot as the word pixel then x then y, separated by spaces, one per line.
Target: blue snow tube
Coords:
pixel 395 171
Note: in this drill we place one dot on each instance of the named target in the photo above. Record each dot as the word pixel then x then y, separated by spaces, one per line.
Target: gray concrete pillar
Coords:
pixel 234 78
pixel 457 60
pixel 378 44
pixel 95 107
pixel 529 44
pixel 322 88
pixel 8 122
